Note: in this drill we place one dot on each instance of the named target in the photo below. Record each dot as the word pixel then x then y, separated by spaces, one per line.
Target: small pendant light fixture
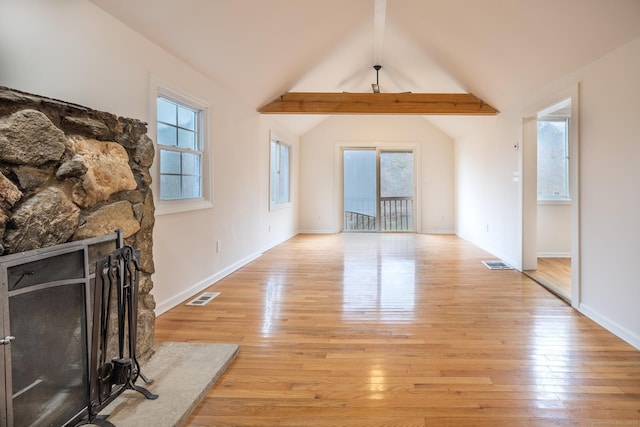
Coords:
pixel 376 86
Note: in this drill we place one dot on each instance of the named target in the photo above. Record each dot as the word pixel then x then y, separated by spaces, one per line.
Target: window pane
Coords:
pixel 190 187
pixel 360 182
pixel 191 164
pixel 553 164
pixel 186 118
pixel 279 185
pixel 274 173
pixel 187 139
pixel 396 174
pixel 169 162
pixel 166 135
pixel 180 143
pixel 166 111
pixel 169 187
pixel 284 174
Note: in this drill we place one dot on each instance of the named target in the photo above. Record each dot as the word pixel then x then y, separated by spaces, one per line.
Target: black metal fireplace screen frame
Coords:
pixel 115 278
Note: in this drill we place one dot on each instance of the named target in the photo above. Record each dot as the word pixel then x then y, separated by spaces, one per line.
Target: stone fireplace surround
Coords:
pixel 68 173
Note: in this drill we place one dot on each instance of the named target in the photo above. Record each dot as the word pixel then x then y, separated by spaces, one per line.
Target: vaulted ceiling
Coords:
pixel 499 50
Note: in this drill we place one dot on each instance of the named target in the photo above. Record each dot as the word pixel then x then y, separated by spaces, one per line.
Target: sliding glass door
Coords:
pixel 360 190
pixel 378 190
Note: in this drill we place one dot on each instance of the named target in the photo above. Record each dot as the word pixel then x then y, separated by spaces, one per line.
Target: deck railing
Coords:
pixel 356 221
pixel 396 214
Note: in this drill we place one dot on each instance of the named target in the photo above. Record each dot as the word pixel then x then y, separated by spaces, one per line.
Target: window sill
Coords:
pixel 177 206
pixel 280 206
pixel 554 202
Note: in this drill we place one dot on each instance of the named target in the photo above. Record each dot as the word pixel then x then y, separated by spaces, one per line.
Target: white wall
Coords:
pixel 281 223
pixel 610 195
pixel 487 198
pixel 72 50
pixel 554 230
pixel 609 132
pixel 320 175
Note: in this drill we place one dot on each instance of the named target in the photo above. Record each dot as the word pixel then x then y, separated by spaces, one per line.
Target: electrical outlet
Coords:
pixel 218 245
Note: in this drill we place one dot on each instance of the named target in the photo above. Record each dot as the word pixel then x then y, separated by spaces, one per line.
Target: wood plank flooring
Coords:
pixel 555 274
pixel 402 330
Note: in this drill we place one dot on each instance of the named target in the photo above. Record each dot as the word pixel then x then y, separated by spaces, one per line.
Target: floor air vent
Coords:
pixel 204 298
pixel 497 265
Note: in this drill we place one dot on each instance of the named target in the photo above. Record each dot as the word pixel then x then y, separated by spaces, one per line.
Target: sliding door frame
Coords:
pixel 378 147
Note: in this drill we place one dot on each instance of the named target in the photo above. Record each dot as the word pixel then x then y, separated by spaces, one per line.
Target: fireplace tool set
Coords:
pixel 116 282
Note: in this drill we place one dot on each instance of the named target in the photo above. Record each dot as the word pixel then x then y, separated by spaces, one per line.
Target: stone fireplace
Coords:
pixel 69 173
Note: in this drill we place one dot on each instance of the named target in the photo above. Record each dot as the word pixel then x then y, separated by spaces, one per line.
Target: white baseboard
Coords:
pixel 554 254
pixel 318 232
pixel 177 299
pixel 611 326
pixel 511 262
pixel 437 231
pixel 278 242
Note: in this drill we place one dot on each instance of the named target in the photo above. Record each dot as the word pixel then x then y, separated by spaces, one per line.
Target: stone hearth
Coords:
pixel 183 374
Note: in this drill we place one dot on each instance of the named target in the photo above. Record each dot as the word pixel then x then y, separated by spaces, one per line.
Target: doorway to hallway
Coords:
pixel 378 190
pixel 550 199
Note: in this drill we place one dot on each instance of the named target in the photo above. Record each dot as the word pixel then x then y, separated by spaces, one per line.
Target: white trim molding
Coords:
pixel 611 326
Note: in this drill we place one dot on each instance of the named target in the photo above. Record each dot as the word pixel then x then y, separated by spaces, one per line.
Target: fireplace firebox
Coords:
pixel 55 311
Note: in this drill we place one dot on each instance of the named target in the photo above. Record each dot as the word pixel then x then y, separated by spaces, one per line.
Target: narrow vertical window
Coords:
pixel 180 143
pixel 553 158
pixel 280 173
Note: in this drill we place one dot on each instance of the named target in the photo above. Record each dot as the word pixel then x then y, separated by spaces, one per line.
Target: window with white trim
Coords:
pixel 280 173
pixel 180 143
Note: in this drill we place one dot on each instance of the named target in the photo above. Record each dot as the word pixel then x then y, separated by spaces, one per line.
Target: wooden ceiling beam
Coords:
pixel 378 103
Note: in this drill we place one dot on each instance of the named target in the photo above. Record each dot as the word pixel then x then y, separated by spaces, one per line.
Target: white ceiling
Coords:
pixel 495 49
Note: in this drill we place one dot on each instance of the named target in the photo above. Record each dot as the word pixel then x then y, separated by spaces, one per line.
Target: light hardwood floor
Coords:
pixel 555 274
pixel 402 330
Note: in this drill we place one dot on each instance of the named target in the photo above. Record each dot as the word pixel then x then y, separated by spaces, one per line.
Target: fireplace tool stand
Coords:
pixel 109 379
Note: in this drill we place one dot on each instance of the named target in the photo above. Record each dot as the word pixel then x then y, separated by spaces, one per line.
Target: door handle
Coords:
pixel 6 340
